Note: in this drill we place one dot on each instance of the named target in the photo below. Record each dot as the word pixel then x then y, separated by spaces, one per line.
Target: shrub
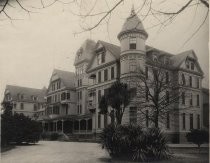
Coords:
pixel 132 143
pixel 198 137
pixel 19 128
pixel 54 136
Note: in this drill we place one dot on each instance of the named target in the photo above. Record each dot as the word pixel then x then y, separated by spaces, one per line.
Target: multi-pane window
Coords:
pixel 112 73
pixel 191 121
pixel 190 81
pixel 58 84
pixel 80 82
pixel 63 96
pixel 133 115
pixel 105 75
pixel 99 76
pixel 198 100
pixel 147 118
pixel 168 120
pixel 183 121
pixel 132 44
pixel 183 98
pixel 67 95
pixel 191 99
pixel 21 106
pixel 198 121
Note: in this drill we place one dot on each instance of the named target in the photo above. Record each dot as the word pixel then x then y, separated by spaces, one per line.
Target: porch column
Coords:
pixel 86 127
pixel 56 127
pixel 79 125
pixel 62 124
pixel 48 126
pixel 73 127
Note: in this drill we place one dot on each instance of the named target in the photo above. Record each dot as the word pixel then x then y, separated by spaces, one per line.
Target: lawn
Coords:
pixel 78 152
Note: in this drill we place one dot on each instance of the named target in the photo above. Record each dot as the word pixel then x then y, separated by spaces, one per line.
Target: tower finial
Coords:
pixel 132 10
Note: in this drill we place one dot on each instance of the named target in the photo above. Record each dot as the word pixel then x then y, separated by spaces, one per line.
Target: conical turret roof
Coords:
pixel 132 24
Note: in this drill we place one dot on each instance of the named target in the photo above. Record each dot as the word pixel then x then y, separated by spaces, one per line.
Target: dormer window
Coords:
pixel 132 43
pixel 155 59
pixel 101 58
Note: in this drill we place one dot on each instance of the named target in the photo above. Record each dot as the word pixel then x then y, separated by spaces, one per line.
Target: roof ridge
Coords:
pixel 109 43
pixel 63 70
pixel 9 85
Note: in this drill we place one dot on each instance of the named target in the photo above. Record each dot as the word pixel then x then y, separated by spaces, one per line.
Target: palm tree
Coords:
pixel 118 98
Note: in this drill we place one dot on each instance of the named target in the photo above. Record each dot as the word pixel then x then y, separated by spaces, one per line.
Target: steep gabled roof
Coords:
pixel 86 51
pixel 114 49
pixel 66 77
pixel 27 92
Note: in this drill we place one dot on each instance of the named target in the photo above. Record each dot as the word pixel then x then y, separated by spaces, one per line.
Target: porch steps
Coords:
pixel 83 138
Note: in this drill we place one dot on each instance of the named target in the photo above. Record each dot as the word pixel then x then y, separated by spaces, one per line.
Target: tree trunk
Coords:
pixel 118 117
pixel 156 120
pixel 112 117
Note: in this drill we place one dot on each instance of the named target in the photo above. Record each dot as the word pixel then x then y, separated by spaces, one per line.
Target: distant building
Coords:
pixel 205 103
pixel 28 101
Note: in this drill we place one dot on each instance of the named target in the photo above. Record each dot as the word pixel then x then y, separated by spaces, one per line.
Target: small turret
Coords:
pixel 132 39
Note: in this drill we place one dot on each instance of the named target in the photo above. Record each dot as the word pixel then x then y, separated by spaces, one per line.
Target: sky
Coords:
pixel 30 48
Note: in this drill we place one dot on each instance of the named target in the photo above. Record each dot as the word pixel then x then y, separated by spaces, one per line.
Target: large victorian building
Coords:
pixel 28 101
pixel 73 98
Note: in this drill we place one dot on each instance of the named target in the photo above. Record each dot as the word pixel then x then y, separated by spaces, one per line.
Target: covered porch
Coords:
pixel 69 125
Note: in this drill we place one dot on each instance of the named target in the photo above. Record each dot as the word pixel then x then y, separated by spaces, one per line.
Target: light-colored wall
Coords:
pixel 28 108
pixel 140 43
